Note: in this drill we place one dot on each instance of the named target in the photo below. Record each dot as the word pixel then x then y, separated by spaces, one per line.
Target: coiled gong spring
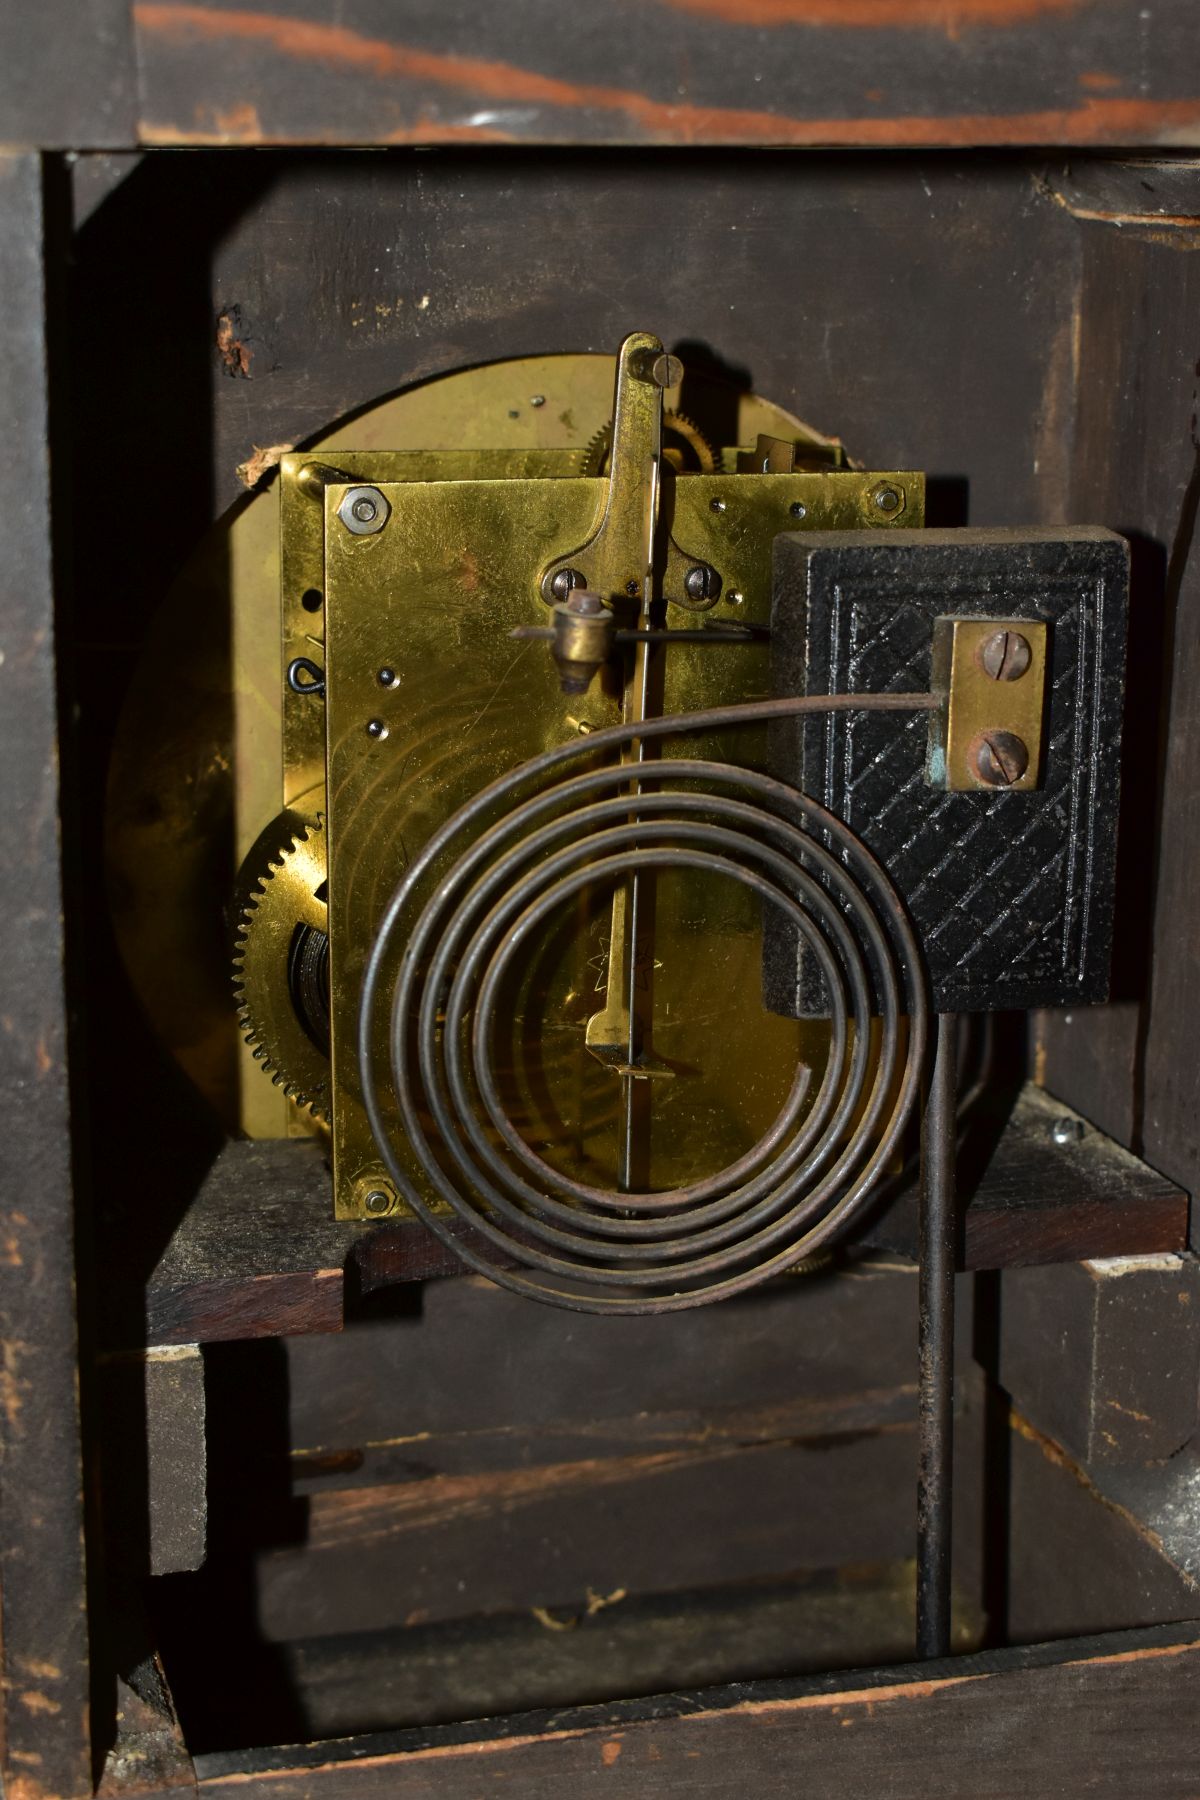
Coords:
pixel 476 901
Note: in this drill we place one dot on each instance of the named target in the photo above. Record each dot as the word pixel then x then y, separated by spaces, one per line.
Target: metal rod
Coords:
pixel 684 634
pixel 935 1473
pixel 640 693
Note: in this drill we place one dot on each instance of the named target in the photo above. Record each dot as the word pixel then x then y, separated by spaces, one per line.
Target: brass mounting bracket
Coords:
pixel 991 676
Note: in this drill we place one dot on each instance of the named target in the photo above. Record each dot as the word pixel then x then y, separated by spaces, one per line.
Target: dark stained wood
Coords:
pixel 149 1755
pixel 537 1454
pixel 1105 1356
pixel 153 1459
pixel 457 1466
pixel 1078 1560
pixel 423 282
pixel 1112 1716
pixel 1131 1068
pixel 781 1431
pixel 483 1456
pixel 257 1254
pixel 605 1647
pixel 44 1694
pixel 67 78
pixel 1037 1201
pixel 488 1496
pixel 1143 192
pixel 1091 1056
pixel 755 72
pixel 671 1520
pixel 813 1356
pixel 1164 1498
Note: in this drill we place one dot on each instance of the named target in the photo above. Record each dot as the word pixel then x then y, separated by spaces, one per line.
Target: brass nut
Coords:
pixel 363 511
pixel 888 499
pixel 375 1195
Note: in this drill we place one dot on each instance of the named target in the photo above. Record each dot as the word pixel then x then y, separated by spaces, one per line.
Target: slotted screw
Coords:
pixel 1005 655
pixel 564 582
pixel 702 582
pixel 999 758
pixel 667 370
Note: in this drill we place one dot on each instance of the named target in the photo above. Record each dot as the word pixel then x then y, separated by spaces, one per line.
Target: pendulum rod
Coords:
pixel 935 1280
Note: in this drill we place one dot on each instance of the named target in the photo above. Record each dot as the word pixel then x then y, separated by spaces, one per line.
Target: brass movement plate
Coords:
pixel 486 479
pixel 433 597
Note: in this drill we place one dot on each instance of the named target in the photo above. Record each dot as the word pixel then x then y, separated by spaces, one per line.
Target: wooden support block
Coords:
pixel 1047 1187
pixel 1104 1356
pixel 155 1491
pixel 149 1756
pixel 258 1253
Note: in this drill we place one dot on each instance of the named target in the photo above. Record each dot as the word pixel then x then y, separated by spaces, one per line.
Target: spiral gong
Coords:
pixel 489 895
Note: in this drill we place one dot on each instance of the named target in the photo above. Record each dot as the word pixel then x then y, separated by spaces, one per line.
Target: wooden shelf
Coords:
pixel 257 1255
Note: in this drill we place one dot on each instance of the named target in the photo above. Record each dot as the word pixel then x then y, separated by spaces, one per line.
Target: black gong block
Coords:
pixel 1011 893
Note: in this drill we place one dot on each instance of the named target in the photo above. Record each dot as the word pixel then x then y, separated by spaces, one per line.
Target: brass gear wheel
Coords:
pixel 281 957
pixel 685 447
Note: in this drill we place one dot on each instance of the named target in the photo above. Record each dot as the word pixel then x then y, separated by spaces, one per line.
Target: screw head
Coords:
pixel 716 505
pixel 798 509
pixel 702 582
pixel 387 678
pixel 1067 1131
pixel 888 499
pixel 667 370
pixel 1004 655
pixel 363 511
pixel 377 1201
pixel 564 581
pixel 998 758
pixel 376 728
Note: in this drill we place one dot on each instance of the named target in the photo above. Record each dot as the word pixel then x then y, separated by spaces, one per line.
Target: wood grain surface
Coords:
pixel 1097 1716
pixel 43 1695
pixel 755 73
pixel 679 72
pixel 257 1254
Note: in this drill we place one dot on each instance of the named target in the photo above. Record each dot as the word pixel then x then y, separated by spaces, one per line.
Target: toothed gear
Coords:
pixel 689 454
pixel 281 957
